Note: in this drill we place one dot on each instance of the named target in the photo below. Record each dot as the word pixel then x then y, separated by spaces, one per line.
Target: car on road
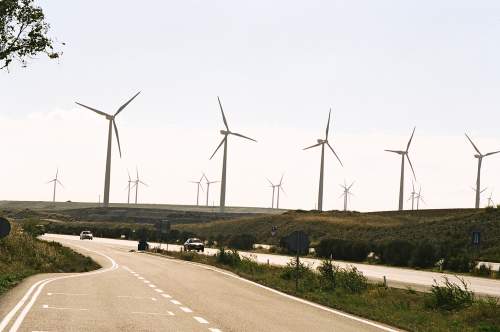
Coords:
pixel 86 235
pixel 194 244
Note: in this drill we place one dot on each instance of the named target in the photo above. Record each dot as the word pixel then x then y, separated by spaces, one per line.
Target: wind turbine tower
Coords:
pixel 276 187
pixel 479 157
pixel 272 185
pixel 56 182
pixel 347 192
pixel 403 154
pixel 138 181
pixel 225 133
pixel 413 195
pixel 198 186
pixel 130 185
pixel 490 200
pixel 322 143
pixel 112 124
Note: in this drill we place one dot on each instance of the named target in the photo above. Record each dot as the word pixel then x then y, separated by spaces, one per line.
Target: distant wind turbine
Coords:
pixel 413 195
pixel 419 197
pixel 198 186
pixel 112 124
pixel 56 182
pixel 401 181
pixel 322 142
pixel 208 183
pixel 138 181
pixel 479 157
pixel 225 133
pixel 276 187
pixel 490 200
pixel 273 186
pixel 130 185
pixel 346 193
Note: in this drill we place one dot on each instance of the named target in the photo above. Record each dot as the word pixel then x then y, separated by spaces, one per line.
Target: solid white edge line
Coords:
pixel 312 304
pixel 41 284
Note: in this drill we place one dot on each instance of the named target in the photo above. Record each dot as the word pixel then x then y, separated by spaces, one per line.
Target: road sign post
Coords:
pixel 297 242
pixel 4 227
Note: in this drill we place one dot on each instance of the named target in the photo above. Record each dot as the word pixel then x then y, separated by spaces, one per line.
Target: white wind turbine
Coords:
pixel 130 185
pixel 322 142
pixel 198 186
pixel 346 193
pixel 278 187
pixel 225 133
pixel 401 181
pixel 419 197
pixel 490 200
pixel 208 183
pixel 479 157
pixel 56 182
pixel 138 181
pixel 413 195
pixel 273 186
pixel 112 123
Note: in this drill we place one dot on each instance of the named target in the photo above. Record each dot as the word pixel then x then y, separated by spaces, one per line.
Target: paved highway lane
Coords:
pixel 396 277
pixel 140 292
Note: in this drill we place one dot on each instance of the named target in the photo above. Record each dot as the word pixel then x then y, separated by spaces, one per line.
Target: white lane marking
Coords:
pixel 186 309
pixel 39 287
pixel 158 290
pixel 140 278
pixel 167 296
pixel 67 294
pixel 152 286
pixel 169 313
pixel 154 299
pixel 214 330
pixel 46 306
pixel 312 304
pixel 146 281
pixel 137 297
pixel 201 320
pixel 175 302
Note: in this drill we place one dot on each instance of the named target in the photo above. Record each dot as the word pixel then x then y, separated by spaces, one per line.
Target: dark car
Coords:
pixel 194 244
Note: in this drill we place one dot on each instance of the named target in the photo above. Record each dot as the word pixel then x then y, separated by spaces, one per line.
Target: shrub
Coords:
pixel 450 296
pixel 483 270
pixel 291 272
pixel 226 257
pixel 459 263
pixel 424 255
pixel 397 252
pixel 352 280
pixel 342 249
pixel 242 241
pixel 328 274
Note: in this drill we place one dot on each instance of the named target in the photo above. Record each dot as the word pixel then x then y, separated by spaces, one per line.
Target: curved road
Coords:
pixel 140 292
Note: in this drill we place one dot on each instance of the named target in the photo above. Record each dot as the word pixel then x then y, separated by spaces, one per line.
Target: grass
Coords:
pixel 22 255
pixel 406 309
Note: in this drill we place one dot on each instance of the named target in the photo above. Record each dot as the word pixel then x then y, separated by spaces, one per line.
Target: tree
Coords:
pixel 23 32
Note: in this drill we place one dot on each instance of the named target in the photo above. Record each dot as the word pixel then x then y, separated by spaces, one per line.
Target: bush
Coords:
pixel 459 263
pixel 450 296
pixel 483 270
pixel 226 257
pixel 242 241
pixel 397 252
pixel 349 279
pixel 343 249
pixel 328 274
pixel 291 272
pixel 424 255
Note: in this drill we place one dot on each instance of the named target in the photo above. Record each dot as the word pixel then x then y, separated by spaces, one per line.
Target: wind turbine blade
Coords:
pixel 352 184
pixel 411 137
pixel 137 172
pixel 334 153
pixel 60 183
pixel 283 190
pixel 270 182
pixel 117 137
pixel 395 151
pixel 342 194
pixel 125 105
pixel 482 191
pixel 128 172
pixel 411 166
pixel 57 172
pixel 490 153
pixel 328 124
pixel 143 183
pixel 240 135
pixel 281 180
pixel 223 115
pixel 475 147
pixel 218 147
pixel 312 146
pixel 93 109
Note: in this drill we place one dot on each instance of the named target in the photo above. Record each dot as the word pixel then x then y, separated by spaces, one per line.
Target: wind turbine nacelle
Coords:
pixel 320 141
pixel 225 132
pixel 477 156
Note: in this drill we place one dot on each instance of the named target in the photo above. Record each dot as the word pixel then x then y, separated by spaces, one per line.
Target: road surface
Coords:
pixel 396 277
pixel 141 292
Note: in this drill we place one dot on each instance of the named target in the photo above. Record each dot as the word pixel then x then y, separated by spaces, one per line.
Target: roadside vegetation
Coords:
pixel 22 255
pixel 450 306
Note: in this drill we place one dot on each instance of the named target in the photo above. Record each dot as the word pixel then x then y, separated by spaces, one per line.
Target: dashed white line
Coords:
pixel 166 296
pixel 68 294
pixel 140 278
pixel 169 313
pixel 186 309
pixel 158 290
pixel 152 286
pixel 146 281
pixel 214 330
pixel 201 320
pixel 175 302
pixel 46 306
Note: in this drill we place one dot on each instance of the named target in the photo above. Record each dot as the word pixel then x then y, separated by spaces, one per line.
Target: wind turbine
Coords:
pixel 208 183
pixel 137 181
pixel 198 186
pixel 346 193
pixel 272 185
pixel 413 195
pixel 490 200
pixel 225 133
pixel 419 197
pixel 278 187
pixel 479 157
pixel 129 186
pixel 322 142
pixel 56 182
pixel 401 181
pixel 112 124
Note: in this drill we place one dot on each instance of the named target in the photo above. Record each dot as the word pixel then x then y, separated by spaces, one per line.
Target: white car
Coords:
pixel 86 235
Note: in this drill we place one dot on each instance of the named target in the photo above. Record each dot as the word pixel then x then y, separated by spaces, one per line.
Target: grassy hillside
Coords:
pixel 436 226
pixel 22 255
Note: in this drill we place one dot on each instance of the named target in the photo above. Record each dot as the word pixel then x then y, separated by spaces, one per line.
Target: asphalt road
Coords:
pixel 141 292
pixel 396 277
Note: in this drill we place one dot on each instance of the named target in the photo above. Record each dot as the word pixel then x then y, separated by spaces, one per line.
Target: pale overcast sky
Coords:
pixel 383 67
